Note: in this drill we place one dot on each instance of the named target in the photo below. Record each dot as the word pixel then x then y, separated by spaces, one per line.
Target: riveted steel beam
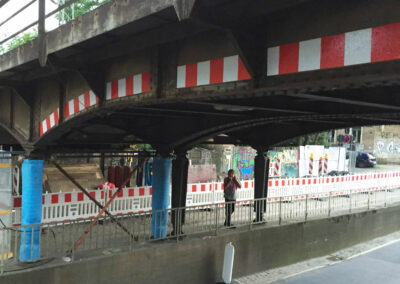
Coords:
pixel 345 101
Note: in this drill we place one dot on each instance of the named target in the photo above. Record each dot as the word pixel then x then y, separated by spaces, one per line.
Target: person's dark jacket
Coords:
pixel 230 188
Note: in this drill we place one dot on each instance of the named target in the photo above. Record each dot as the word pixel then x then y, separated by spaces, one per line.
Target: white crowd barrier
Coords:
pixel 75 205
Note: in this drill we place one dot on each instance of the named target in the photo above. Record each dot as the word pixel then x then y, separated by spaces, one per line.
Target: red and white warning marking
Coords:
pixel 49 122
pixel 124 87
pixel 215 71
pixel 128 86
pixel 80 103
pixel 138 199
pixel 277 167
pixel 325 170
pixel 356 47
pixel 311 165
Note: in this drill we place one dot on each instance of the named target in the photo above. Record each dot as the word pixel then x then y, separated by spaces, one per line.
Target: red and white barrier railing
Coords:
pixel 75 205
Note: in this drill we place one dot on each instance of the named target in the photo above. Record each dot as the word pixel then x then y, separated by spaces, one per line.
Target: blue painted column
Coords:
pixel 32 174
pixel 160 196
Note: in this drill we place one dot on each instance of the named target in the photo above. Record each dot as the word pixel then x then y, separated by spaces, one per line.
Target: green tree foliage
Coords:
pixel 19 40
pixel 71 12
pixel 77 9
pixel 142 147
pixel 321 138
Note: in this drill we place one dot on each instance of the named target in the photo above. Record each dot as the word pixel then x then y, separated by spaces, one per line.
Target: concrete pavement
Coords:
pixel 379 266
pixel 375 261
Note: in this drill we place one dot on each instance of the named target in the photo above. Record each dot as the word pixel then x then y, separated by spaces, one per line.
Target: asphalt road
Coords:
pixel 379 266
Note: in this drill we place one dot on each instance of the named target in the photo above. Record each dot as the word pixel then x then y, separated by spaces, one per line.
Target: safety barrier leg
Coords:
pixel 350 199
pixel 216 219
pixel 385 205
pixel 250 216
pixel 329 204
pixel 306 209
pixel 369 193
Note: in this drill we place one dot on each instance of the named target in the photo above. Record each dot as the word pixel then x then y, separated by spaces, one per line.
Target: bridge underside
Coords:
pixel 113 42
pixel 256 118
pixel 7 139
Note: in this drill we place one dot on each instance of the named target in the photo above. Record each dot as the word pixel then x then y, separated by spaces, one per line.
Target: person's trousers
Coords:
pixel 229 209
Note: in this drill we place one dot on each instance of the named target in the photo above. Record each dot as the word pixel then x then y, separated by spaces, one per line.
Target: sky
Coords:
pixel 26 17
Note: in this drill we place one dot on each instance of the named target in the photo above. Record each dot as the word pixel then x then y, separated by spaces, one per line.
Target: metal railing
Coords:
pixel 45 15
pixel 57 239
pixel 61 206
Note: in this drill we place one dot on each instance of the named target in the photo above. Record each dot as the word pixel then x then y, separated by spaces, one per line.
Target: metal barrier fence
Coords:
pixel 74 205
pixel 57 238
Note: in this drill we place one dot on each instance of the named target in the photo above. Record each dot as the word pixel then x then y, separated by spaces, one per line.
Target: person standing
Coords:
pixel 231 184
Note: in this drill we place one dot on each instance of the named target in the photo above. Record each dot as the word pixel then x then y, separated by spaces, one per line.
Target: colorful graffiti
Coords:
pixel 286 156
pixel 243 162
pixel 272 156
pixel 288 159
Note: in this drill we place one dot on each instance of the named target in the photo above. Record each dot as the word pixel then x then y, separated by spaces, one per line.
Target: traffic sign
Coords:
pixel 346 138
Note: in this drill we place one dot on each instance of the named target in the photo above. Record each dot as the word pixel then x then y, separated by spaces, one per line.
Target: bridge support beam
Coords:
pixel 180 168
pixel 160 196
pixel 261 171
pixel 32 187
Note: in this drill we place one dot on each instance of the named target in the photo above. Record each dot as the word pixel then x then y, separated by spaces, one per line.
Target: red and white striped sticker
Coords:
pixel 215 71
pixel 49 122
pixel 128 86
pixel 80 103
pixel 357 47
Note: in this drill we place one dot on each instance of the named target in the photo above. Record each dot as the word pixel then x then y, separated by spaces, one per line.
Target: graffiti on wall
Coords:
pixel 243 162
pixel 286 156
pixel 288 159
pixel 273 156
pixel 387 146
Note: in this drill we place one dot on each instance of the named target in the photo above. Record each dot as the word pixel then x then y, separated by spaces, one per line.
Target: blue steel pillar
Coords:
pixel 32 174
pixel 160 196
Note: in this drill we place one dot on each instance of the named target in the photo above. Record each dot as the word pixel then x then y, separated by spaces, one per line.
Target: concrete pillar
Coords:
pixel 180 168
pixel 160 196
pixel 32 187
pixel 261 165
